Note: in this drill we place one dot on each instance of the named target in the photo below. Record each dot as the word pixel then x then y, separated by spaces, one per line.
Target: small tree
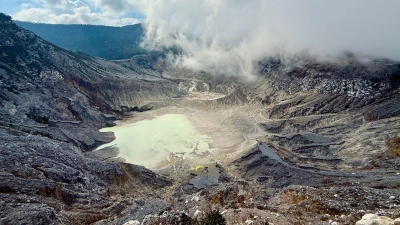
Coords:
pixel 187 220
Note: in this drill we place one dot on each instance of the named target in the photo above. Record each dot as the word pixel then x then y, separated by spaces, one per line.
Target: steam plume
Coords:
pixel 229 36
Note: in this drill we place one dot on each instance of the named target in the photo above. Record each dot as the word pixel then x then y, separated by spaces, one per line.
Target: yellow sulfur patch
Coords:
pixel 197 167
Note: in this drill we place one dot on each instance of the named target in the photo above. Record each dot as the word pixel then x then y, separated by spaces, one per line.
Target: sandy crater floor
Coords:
pixel 193 128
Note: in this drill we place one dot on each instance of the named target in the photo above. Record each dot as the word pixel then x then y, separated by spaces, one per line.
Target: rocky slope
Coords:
pixel 52 104
pixel 330 153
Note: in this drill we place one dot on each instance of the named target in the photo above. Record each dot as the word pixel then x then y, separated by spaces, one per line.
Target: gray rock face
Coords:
pixel 205 177
pixel 141 209
pixel 264 165
pixel 384 110
pixel 31 213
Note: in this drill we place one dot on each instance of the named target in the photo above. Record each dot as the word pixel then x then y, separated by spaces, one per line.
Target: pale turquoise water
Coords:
pixel 150 142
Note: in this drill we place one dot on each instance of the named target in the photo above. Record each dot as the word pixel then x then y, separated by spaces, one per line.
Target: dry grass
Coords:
pixel 393 147
pixel 292 197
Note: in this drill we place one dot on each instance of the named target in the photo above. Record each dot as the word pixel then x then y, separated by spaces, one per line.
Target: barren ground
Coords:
pixel 230 129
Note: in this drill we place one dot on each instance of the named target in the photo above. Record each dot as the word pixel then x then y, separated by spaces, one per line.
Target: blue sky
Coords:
pixel 11 6
pixel 101 12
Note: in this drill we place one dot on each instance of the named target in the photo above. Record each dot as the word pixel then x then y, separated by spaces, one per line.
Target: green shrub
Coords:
pixel 214 218
pixel 187 220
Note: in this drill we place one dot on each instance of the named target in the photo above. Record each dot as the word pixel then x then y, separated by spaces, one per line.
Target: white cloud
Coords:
pixel 229 36
pixel 72 12
pixel 115 5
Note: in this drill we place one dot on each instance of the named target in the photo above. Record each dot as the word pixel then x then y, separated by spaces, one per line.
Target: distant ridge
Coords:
pixel 102 41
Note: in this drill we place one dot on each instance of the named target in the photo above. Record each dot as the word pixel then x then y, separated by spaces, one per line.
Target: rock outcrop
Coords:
pixel 370 219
